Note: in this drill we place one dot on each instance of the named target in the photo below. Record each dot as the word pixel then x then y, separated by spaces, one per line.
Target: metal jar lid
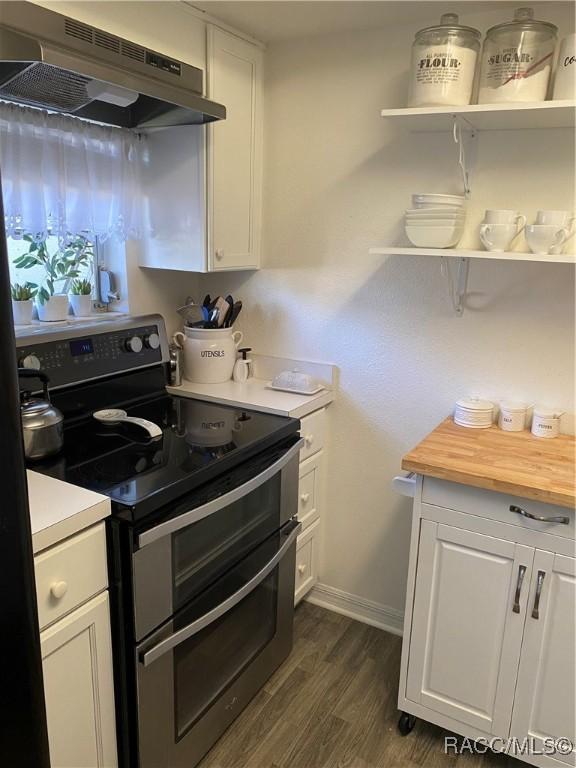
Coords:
pixel 523 21
pixel 449 24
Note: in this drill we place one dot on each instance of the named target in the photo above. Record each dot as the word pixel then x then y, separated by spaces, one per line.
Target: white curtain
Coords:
pixel 61 175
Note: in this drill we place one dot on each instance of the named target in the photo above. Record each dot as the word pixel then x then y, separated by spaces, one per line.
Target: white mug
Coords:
pixel 498 237
pixel 209 353
pixel 502 216
pixel 543 238
pixel 564 219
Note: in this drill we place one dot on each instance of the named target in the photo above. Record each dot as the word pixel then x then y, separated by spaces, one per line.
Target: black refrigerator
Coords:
pixel 23 733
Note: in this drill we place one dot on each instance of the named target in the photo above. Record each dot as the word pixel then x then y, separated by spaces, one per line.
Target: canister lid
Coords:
pixel 523 20
pixel 513 407
pixel 449 23
pixel 475 404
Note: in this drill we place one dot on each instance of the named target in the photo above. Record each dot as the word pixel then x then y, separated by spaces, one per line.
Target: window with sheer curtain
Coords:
pixel 63 177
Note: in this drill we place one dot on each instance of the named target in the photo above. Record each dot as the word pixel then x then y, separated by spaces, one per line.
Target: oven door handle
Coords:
pixel 148 657
pixel 182 521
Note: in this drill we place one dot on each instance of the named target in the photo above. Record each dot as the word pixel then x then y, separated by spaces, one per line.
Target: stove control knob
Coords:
pixel 134 344
pixel 152 341
pixel 31 362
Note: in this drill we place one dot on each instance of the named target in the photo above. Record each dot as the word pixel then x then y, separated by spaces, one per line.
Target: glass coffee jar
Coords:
pixel 443 64
pixel 517 60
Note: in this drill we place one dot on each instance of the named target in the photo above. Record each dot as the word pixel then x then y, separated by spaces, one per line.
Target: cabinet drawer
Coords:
pixel 70 573
pixel 309 490
pixel 496 506
pixel 312 429
pixel 306 561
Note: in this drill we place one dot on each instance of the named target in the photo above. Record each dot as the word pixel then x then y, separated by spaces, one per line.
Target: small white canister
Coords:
pixel 565 81
pixel 474 413
pixel 512 416
pixel 209 354
pixel 546 422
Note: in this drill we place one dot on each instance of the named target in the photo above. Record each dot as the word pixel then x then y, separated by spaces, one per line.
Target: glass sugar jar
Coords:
pixel 517 60
pixel 443 64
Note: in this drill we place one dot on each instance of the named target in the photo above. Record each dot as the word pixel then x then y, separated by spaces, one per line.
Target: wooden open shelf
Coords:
pixel 458 253
pixel 486 117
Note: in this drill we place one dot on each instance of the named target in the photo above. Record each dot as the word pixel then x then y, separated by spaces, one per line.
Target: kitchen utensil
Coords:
pixel 434 237
pixel 223 308
pixel 236 309
pixel 542 238
pixel 512 416
pixel 241 372
pixel 191 313
pixel 498 237
pixel 517 60
pixel 42 423
pixel 565 82
pixel 474 413
pixel 119 416
pixel 546 422
pixel 209 353
pixel 176 365
pixel 443 64
pixel 297 382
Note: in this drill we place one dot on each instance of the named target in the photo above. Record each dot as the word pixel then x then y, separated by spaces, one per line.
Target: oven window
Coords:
pixel 209 662
pixel 202 552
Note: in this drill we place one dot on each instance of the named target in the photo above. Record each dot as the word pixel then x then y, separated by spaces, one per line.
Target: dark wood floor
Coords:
pixel 332 704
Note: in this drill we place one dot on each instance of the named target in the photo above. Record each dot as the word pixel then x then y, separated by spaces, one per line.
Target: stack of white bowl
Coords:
pixel 435 221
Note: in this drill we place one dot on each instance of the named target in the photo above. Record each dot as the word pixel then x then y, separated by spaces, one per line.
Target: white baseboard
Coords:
pixel 355 607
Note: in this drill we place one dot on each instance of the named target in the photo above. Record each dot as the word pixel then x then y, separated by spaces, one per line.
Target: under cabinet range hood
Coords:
pixel 51 61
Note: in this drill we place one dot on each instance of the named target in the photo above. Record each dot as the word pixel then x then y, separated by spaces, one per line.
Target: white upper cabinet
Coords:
pixel 234 152
pixel 469 608
pixel 544 703
pixel 203 184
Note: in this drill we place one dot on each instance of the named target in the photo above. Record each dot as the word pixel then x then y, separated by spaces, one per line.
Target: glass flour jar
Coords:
pixel 517 60
pixel 443 64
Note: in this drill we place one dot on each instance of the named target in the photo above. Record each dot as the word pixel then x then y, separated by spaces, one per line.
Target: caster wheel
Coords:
pixel 406 723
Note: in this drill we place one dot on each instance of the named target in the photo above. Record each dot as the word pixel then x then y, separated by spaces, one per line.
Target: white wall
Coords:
pixel 337 179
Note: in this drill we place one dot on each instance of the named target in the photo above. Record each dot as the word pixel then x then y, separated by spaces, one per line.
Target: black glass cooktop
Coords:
pixel 199 442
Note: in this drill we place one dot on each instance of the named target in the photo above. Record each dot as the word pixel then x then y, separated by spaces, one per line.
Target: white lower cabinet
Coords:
pixel 76 651
pixel 306 562
pixel 489 635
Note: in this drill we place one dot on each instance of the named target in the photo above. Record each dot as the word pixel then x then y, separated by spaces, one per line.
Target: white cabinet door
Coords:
pixel 544 704
pixel 234 152
pixel 468 617
pixel 79 689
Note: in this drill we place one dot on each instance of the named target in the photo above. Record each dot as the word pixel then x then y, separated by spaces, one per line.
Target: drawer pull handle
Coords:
pixel 305 498
pixel 59 589
pixel 521 574
pixel 540 518
pixel 309 439
pixel 301 570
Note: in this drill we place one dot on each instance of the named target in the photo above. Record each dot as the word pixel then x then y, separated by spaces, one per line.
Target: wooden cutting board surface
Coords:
pixel 510 462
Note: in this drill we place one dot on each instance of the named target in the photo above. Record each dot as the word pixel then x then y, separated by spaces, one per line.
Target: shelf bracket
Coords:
pixel 457 288
pixel 464 135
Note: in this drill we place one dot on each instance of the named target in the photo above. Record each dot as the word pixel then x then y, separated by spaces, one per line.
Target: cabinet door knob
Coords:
pixel 309 439
pixel 304 498
pixel 219 254
pixel 301 569
pixel 59 589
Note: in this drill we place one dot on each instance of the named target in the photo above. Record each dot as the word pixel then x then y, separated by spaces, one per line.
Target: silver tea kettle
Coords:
pixel 42 423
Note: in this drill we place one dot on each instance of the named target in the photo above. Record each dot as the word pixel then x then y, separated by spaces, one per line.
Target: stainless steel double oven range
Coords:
pixel 201 540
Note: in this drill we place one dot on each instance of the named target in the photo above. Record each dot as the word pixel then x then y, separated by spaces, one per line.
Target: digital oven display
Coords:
pixel 81 347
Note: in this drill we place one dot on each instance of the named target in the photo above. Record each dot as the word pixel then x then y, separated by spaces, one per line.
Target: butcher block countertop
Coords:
pixel 510 462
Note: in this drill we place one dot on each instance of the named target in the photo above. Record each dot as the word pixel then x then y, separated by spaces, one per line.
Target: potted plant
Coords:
pixel 22 302
pixel 60 267
pixel 81 297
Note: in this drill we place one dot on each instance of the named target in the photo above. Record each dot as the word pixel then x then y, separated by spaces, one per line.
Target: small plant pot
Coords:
pixel 22 312
pixel 56 308
pixel 81 304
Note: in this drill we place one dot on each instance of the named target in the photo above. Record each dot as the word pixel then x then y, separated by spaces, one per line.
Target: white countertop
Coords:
pixel 59 510
pixel 255 395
